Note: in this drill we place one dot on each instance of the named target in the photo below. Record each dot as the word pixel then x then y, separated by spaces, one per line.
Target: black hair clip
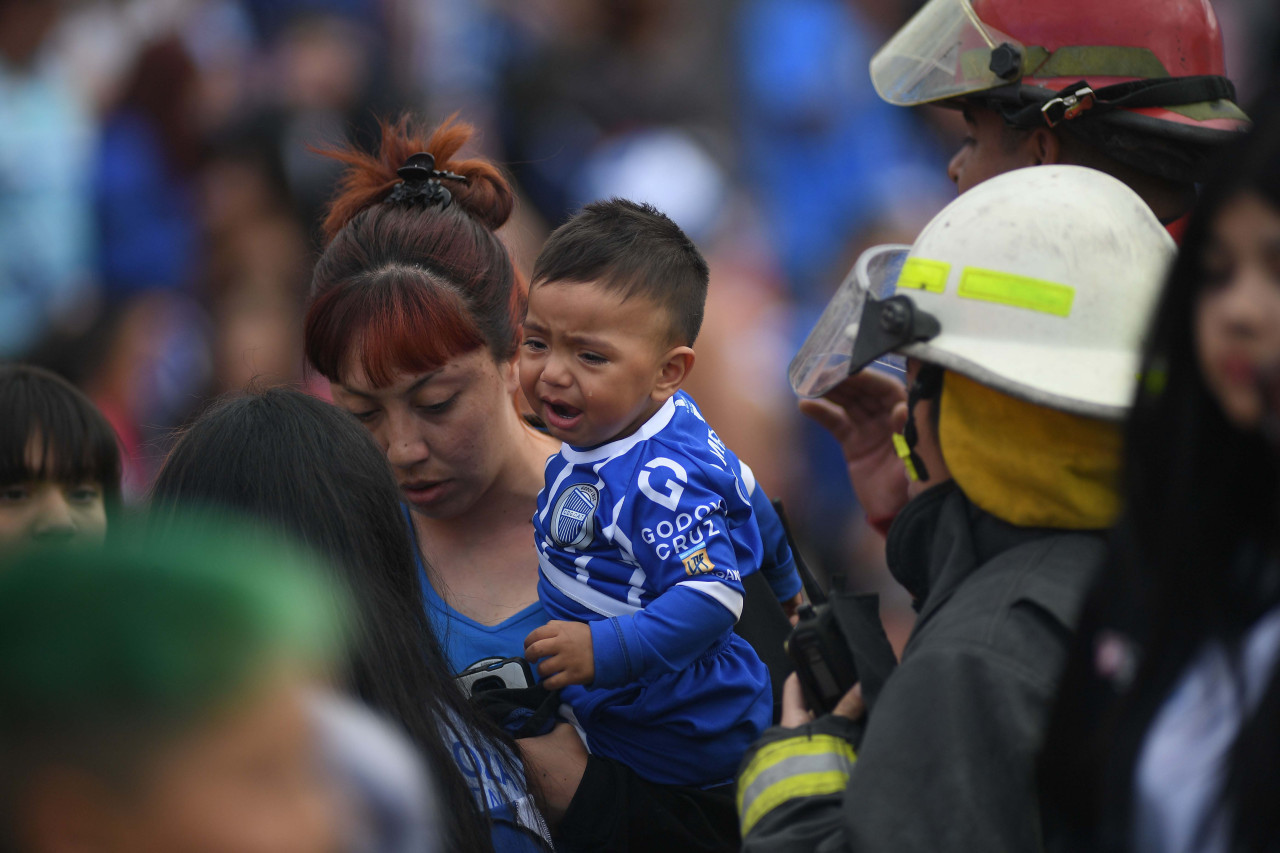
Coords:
pixel 420 182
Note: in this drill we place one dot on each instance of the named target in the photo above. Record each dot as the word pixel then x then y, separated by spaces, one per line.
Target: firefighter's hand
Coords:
pixel 796 713
pixel 565 651
pixel 863 412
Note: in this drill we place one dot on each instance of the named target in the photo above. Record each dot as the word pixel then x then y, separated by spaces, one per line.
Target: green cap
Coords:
pixel 156 628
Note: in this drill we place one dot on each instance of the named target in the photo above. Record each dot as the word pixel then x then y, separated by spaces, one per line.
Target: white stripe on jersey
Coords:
pixel 590 598
pixel 555 488
pixel 730 598
pixel 581 563
pixel 614 534
pixel 637 587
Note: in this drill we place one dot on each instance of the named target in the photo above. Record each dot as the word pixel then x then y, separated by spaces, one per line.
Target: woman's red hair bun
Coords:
pixel 486 194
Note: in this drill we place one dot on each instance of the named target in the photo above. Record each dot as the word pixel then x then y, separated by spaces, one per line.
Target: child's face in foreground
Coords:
pixel 593 366
pixel 49 511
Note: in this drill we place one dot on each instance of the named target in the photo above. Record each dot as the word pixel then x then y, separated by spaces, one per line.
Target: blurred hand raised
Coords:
pixel 863 412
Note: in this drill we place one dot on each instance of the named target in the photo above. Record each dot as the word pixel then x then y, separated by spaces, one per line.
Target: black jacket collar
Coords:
pixel 940 537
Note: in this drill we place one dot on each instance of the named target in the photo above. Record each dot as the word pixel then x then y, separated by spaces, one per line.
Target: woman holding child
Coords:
pixel 415 321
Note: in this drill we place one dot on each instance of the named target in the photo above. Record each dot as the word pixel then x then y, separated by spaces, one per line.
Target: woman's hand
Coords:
pixel 566 647
pixel 863 412
pixel 795 713
pixel 557 762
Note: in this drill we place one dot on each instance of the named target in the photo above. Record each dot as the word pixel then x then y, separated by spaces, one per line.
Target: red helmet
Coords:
pixel 1151 67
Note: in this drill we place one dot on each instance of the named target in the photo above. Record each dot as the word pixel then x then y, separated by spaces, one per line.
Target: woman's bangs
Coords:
pixel 397 321
pixel 65 444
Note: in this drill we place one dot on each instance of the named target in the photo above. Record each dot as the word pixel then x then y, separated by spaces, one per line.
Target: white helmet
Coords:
pixel 1038 283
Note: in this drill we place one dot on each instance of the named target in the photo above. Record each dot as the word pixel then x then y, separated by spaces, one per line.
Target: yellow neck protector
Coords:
pixel 1027 464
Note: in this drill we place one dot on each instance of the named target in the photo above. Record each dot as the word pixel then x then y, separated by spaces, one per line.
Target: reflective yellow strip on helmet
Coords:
pixel 1076 61
pixel 795 767
pixel 1017 291
pixel 1084 61
pixel 904 453
pixel 924 274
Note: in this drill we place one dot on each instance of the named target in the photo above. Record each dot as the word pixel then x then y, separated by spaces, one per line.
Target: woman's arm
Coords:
pixel 556 761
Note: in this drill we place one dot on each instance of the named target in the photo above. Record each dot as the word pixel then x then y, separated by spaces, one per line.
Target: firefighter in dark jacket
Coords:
pixel 1020 332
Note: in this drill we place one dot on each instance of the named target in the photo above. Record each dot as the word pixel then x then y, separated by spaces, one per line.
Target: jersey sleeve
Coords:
pixel 667 636
pixel 692 525
pixel 692 534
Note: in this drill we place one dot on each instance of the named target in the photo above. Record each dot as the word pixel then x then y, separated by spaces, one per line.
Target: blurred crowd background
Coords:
pixel 160 185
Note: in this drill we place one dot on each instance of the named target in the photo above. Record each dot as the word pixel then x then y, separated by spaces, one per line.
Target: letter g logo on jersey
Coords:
pixel 671 497
pixel 573 519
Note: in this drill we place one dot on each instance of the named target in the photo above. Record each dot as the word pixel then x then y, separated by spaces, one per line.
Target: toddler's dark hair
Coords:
pixel 635 250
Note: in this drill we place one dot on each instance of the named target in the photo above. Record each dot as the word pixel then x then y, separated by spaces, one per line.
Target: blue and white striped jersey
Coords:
pixel 667 507
pixel 646 539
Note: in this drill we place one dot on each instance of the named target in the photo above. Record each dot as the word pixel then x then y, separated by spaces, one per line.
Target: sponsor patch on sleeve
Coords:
pixel 696 562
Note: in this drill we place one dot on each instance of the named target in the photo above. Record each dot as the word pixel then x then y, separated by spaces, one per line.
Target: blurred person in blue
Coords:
pixel 1019 335
pixel 145 176
pixel 59 461
pixel 856 168
pixel 156 697
pixel 271 18
pixel 46 218
pixel 802 91
pixel 301 464
pixel 1166 733
pixel 644 529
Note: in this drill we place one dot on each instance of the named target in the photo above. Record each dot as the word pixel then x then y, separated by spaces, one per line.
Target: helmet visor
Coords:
pixel 824 359
pixel 944 51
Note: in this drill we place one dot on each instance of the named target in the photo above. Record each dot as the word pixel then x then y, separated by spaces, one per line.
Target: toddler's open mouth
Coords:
pixel 561 416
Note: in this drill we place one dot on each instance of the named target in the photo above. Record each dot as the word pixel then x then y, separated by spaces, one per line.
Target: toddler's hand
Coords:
pixel 565 651
pixel 791 607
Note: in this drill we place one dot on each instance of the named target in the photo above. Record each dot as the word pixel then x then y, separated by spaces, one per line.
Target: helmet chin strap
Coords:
pixel 928 386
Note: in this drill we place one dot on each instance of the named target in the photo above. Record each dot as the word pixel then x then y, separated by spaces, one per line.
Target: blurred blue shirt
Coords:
pixel 46 220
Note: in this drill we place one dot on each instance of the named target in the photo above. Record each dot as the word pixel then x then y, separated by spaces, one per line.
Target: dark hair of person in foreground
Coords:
pixel 1193 559
pixel 288 458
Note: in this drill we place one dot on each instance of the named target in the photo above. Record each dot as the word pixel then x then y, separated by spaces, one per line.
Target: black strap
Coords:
pixel 765 627
pixel 1080 99
pixel 928 386
pixel 812 588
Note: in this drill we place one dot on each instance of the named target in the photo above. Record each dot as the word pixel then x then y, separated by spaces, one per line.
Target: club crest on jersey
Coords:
pixel 696 562
pixel 573 519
